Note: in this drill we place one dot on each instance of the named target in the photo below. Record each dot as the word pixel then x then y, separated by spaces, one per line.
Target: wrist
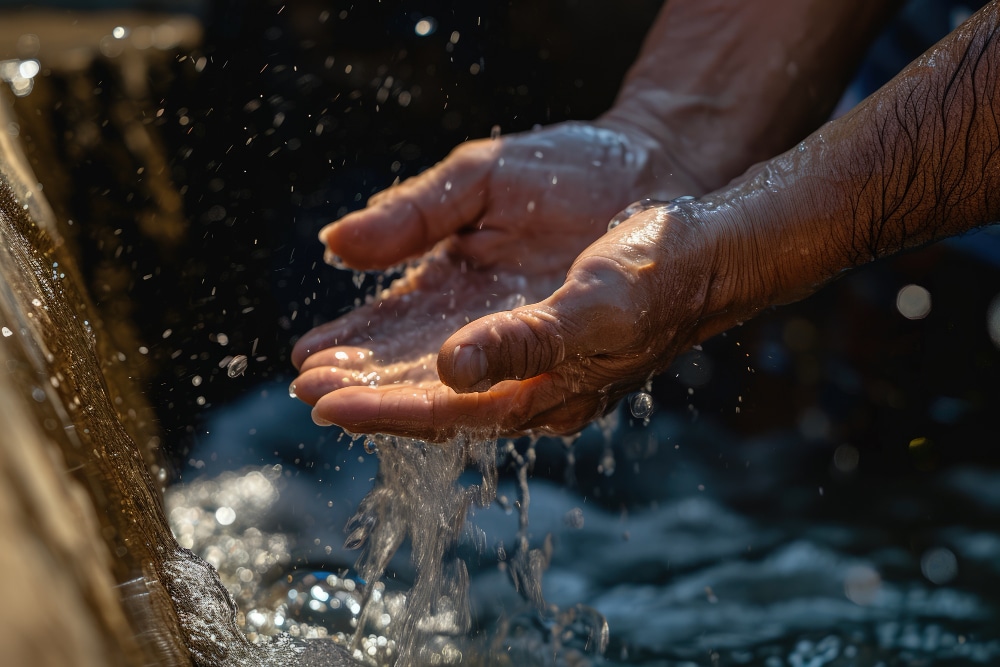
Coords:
pixel 655 121
pixel 709 137
pixel 723 85
pixel 775 237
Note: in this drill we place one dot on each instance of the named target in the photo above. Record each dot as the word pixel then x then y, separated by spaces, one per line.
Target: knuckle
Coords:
pixel 538 346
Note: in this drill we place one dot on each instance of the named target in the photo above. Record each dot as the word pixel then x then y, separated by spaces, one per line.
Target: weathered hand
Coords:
pixel 527 202
pixel 391 344
pixel 508 217
pixel 629 303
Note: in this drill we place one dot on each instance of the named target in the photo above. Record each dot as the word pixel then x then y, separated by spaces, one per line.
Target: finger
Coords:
pixel 409 219
pixel 312 385
pixel 433 412
pixel 592 313
pixel 317 379
pixel 346 357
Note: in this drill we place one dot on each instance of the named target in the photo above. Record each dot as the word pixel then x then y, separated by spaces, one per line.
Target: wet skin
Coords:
pixel 501 222
pixel 551 366
pixel 915 162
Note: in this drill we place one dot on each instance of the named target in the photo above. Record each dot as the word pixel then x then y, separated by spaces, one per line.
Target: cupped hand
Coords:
pixel 632 300
pixel 527 202
pixel 497 225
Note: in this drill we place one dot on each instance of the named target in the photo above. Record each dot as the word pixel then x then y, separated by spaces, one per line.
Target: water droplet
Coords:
pixel 7 333
pixel 196 380
pixel 574 518
pixel 641 405
pixel 939 565
pixel 495 132
pixel 225 515
pixel 913 302
pixel 993 320
pixel 425 26
pixel 632 209
pixel 291 391
pixel 607 465
pixel 237 366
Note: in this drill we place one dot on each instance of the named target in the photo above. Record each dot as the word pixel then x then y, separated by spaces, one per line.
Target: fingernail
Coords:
pixel 319 421
pixel 468 365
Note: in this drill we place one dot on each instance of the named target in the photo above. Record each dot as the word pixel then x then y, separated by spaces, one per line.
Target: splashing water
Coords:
pixel 416 496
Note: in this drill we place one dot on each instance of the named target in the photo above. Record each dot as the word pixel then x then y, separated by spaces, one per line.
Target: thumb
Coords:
pixel 579 320
pixel 409 219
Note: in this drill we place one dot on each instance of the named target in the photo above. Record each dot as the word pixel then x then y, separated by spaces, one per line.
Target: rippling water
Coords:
pixel 765 561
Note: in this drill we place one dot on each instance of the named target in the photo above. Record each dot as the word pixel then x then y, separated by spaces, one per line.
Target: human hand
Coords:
pixel 643 292
pixel 509 215
pixel 526 202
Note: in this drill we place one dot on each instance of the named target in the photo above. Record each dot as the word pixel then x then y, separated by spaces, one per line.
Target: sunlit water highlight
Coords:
pixel 417 498
pixel 692 579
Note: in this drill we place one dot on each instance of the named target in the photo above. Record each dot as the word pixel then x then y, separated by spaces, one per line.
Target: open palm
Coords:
pixel 496 225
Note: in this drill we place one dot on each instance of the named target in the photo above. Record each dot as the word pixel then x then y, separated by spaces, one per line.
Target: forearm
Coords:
pixel 733 82
pixel 917 161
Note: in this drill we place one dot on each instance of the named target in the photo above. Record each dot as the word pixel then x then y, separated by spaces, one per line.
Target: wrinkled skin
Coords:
pixel 499 223
pixel 527 202
pixel 912 163
pixel 710 93
pixel 596 360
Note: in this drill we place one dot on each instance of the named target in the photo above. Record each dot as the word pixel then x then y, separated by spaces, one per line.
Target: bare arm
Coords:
pixel 728 83
pixel 917 161
pixel 717 86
